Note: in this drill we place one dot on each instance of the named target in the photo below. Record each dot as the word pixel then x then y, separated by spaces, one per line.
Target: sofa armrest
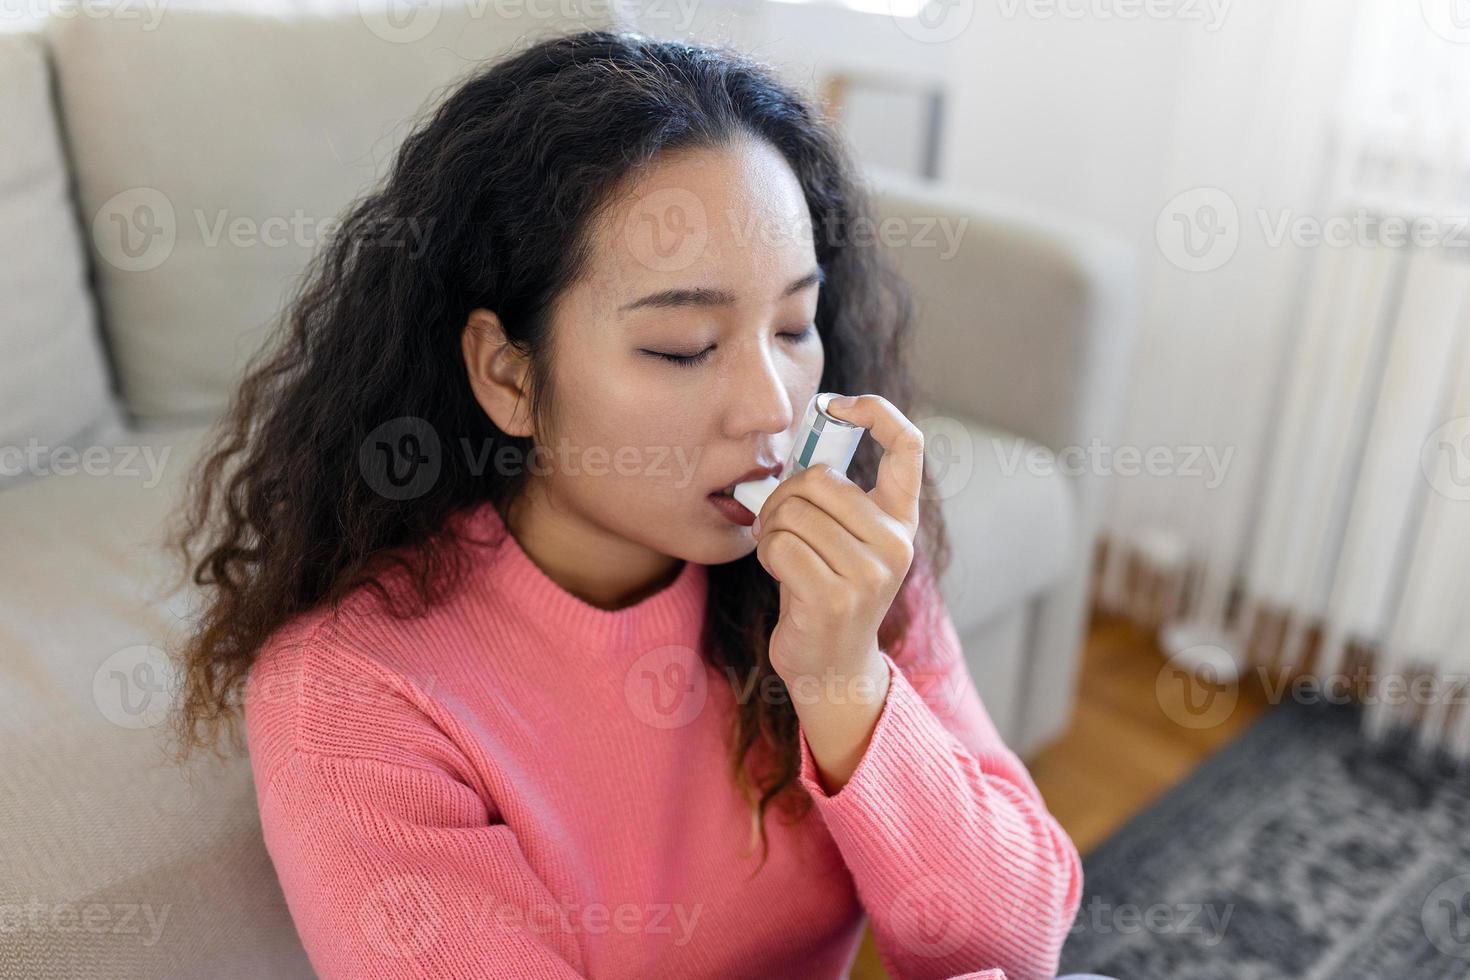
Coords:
pixel 1027 324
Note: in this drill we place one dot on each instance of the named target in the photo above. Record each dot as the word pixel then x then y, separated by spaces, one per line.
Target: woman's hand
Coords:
pixel 840 555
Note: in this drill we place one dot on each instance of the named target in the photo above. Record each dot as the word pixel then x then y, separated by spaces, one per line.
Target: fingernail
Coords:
pixel 843 401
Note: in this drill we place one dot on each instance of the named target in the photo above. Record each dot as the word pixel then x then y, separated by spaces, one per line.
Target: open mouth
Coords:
pixel 758 475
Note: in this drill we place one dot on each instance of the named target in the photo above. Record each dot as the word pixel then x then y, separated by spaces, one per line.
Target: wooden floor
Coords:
pixel 1135 733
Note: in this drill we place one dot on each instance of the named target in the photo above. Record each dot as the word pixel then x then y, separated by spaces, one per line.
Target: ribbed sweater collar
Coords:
pixel 656 618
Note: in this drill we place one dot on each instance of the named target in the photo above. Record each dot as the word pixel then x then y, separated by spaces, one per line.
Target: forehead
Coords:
pixel 732 217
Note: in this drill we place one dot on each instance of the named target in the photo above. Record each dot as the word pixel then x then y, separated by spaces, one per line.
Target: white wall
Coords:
pixel 1071 114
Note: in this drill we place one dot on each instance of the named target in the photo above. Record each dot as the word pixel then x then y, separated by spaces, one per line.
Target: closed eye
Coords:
pixel 691 360
pixel 683 360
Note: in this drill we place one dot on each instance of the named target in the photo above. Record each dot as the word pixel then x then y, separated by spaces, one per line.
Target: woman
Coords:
pixel 524 689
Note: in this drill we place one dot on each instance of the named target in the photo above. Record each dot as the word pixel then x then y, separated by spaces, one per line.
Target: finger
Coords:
pixel 834 493
pixel 796 565
pixel 844 554
pixel 901 470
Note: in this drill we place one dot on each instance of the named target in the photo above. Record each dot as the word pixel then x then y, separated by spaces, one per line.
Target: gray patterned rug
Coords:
pixel 1299 852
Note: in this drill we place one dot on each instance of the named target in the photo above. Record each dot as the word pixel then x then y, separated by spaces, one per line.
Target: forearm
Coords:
pixel 838 714
pixel 924 817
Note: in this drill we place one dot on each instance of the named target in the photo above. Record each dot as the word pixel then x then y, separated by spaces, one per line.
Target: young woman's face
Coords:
pixel 707 256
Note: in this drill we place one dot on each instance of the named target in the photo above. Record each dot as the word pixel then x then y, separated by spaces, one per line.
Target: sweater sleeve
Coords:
pixel 954 855
pixel 391 870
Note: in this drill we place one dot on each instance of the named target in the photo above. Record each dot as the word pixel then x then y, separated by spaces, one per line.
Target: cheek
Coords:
pixel 635 439
pixel 816 362
pixel 806 375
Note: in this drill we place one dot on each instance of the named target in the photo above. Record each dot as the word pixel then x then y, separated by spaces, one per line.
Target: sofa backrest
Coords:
pixel 53 382
pixel 214 151
pixel 1026 316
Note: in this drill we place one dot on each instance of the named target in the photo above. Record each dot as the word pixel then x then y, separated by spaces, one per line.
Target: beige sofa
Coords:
pixel 126 320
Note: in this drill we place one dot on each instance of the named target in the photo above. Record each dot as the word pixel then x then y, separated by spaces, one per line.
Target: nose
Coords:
pixel 758 399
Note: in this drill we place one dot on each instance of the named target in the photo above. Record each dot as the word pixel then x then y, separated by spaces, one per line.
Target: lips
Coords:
pixel 770 469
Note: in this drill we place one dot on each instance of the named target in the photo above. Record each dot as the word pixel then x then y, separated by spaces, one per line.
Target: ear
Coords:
pixel 497 372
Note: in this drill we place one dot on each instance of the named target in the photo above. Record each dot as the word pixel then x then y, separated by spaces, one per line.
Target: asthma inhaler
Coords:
pixel 821 438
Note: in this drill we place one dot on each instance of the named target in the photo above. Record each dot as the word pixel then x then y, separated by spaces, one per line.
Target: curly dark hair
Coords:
pixel 507 173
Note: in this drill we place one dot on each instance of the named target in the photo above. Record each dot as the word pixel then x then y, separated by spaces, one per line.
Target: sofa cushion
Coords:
pixel 1011 516
pixel 53 380
pixel 98 826
pixel 214 152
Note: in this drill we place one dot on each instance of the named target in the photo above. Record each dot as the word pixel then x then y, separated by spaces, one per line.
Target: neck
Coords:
pixel 598 567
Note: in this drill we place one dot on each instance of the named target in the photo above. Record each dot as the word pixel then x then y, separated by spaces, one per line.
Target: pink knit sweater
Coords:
pixel 523 785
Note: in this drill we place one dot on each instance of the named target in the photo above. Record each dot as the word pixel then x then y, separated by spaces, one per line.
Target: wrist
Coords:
pixel 838 683
pixel 838 718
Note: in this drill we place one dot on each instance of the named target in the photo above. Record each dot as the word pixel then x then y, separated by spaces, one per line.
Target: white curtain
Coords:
pixel 1307 320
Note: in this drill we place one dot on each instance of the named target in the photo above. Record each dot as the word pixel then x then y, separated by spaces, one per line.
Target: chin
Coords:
pixel 701 536
pixel 716 546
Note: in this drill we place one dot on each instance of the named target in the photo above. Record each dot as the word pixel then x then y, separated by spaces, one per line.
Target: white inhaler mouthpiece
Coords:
pixel 821 438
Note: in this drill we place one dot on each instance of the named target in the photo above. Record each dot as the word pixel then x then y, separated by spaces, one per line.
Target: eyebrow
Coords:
pixel 699 296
